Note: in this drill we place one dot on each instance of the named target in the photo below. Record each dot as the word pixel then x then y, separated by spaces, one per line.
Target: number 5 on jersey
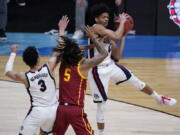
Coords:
pixel 67 74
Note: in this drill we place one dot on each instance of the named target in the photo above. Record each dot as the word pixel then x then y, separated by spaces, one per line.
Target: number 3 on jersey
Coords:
pixel 42 84
pixel 67 74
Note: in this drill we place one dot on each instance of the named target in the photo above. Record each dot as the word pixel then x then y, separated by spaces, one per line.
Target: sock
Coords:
pixel 156 96
pixel 101 132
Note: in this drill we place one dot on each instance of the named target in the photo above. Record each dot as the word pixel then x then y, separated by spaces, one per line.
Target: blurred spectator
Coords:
pixel 3 19
pixel 80 12
pixel 21 2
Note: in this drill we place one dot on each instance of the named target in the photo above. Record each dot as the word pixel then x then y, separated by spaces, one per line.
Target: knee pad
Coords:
pixel 100 112
pixel 136 82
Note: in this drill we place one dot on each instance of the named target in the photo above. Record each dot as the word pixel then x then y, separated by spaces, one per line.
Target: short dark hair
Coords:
pixel 71 54
pixel 30 56
pixel 98 9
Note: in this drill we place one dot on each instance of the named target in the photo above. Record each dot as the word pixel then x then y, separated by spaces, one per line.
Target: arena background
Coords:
pixel 153 54
pixel 151 16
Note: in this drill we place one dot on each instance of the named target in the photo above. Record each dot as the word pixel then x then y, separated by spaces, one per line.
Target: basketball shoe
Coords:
pixel 166 101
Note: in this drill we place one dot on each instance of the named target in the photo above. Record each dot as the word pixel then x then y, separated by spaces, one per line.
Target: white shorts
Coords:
pixel 39 117
pixel 99 77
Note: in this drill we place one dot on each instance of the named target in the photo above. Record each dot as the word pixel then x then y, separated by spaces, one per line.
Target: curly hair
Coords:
pixel 71 54
pixel 30 56
pixel 98 9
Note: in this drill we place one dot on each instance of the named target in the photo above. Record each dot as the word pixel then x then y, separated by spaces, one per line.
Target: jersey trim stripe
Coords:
pixel 127 73
pixel 89 130
pixel 99 83
pixel 79 72
pixel 46 132
pixel 46 65
pixel 30 110
pixel 27 80
pixel 79 93
pixel 50 74
pixel 28 91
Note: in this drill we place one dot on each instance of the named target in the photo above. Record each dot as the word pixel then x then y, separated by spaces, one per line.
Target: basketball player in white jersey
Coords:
pixel 40 84
pixel 99 76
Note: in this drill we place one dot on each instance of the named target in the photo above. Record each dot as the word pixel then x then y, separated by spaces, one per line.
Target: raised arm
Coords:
pixel 86 64
pixel 14 75
pixel 52 62
pixel 117 51
pixel 62 25
pixel 112 35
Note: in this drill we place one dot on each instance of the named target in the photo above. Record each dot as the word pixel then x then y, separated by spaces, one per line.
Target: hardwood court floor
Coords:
pixel 121 118
pixel 163 75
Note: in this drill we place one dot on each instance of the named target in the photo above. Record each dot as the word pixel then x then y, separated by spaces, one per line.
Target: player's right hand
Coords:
pixel 63 22
pixel 89 32
pixel 123 17
pixel 14 48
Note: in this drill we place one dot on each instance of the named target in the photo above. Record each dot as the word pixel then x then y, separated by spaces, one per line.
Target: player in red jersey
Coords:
pixel 73 74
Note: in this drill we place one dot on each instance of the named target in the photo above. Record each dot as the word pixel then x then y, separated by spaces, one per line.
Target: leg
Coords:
pixel 32 122
pixel 98 82
pixel 61 123
pixel 120 71
pixel 3 18
pixel 48 122
pixel 149 91
pixel 80 15
pixel 100 118
pixel 80 122
pixel 3 14
pixel 80 20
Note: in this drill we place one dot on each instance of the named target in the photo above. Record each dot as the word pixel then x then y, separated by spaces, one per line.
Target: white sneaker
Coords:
pixel 78 34
pixel 167 101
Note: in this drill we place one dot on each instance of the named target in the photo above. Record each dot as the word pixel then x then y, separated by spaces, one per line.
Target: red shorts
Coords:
pixel 75 116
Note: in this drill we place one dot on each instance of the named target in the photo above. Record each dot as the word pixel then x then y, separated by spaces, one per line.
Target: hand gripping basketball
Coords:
pixel 129 24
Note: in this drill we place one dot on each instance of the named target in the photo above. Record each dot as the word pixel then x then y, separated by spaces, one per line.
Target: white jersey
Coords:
pixel 42 88
pixel 93 53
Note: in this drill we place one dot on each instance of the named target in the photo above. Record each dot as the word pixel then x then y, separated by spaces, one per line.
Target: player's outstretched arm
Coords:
pixel 86 47
pixel 17 76
pixel 62 25
pixel 52 62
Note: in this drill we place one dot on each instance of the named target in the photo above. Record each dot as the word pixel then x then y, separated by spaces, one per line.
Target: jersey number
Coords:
pixel 67 74
pixel 42 84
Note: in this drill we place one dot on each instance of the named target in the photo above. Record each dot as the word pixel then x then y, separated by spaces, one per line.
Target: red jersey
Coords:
pixel 72 85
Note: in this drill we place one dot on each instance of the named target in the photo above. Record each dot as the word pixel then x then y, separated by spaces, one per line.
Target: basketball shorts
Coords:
pixel 99 77
pixel 74 116
pixel 39 117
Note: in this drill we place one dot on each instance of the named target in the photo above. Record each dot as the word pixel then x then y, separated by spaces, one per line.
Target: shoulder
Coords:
pixel 98 26
pixel 82 61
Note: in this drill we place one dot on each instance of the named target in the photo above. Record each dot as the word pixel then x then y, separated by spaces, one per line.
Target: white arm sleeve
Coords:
pixel 10 62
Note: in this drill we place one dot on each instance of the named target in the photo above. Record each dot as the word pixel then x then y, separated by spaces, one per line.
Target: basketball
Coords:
pixel 129 24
